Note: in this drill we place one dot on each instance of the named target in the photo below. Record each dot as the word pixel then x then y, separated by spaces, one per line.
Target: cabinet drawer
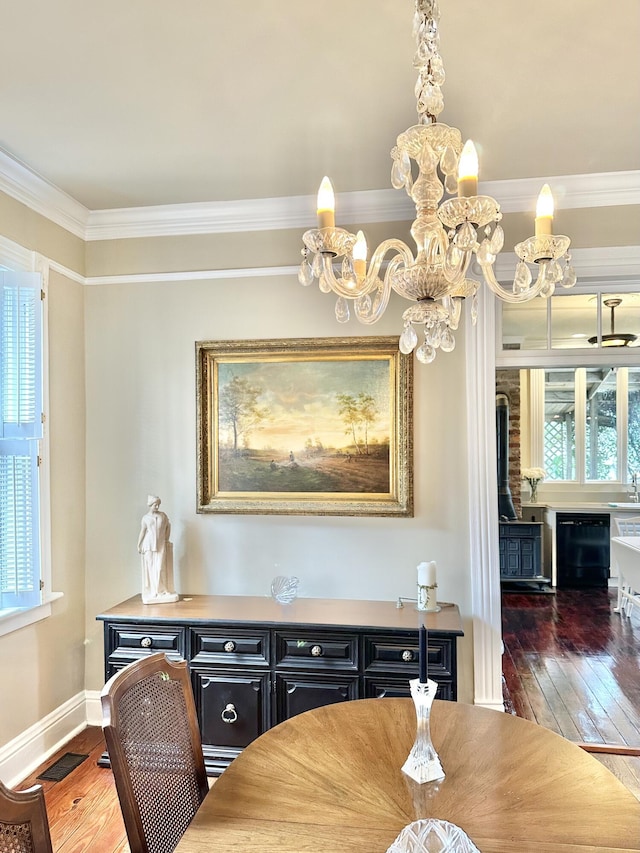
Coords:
pixel 519 530
pixel 395 653
pixel 129 642
pixel 300 692
pixel 316 650
pixel 230 647
pixel 378 688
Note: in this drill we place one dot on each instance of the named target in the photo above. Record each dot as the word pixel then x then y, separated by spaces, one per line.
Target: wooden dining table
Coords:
pixel 330 780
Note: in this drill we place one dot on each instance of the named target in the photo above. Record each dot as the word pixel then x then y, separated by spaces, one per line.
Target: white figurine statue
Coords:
pixel 157 555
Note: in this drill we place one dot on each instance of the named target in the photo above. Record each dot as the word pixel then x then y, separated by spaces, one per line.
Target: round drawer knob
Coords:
pixel 229 715
pixel 316 651
pixel 229 646
pixel 407 655
pixel 145 642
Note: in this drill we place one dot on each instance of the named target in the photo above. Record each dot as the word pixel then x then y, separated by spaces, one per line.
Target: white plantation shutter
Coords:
pixel 20 434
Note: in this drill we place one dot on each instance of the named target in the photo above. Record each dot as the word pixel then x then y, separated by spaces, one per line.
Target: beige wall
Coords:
pixel 43 664
pixel 141 438
pixel 122 405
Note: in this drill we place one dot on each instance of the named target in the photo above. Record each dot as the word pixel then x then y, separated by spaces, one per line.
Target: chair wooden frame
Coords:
pixel 25 808
pixel 132 808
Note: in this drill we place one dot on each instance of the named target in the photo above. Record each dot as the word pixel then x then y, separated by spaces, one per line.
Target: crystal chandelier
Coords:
pixel 448 234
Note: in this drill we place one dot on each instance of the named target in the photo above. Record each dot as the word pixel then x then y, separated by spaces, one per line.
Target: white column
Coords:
pixel 483 504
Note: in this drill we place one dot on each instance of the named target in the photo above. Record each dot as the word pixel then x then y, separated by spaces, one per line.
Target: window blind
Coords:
pixel 20 434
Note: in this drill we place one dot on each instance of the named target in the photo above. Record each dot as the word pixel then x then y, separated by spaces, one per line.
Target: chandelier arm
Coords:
pixel 373 314
pixel 349 288
pixel 508 296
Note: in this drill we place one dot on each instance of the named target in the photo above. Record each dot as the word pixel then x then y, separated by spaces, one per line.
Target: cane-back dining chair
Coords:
pixel 629 526
pixel 151 729
pixel 24 827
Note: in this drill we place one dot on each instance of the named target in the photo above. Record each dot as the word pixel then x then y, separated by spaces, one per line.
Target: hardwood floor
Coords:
pixel 83 808
pixel 573 665
pixel 570 664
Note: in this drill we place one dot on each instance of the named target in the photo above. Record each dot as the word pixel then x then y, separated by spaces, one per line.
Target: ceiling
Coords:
pixel 146 102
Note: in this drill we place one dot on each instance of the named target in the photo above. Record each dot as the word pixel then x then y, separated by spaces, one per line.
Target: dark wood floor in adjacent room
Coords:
pixel 573 665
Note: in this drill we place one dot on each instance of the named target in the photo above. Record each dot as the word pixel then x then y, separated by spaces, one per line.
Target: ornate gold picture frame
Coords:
pixel 319 426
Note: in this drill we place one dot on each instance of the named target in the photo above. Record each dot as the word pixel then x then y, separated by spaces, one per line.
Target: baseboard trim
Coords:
pixel 23 754
pixel 94 708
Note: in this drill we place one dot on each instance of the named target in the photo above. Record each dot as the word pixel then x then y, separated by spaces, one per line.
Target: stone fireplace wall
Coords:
pixel 508 383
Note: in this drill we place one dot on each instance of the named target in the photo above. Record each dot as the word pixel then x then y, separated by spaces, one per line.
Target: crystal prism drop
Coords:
pixel 466 237
pixel 433 336
pixel 497 240
pixel 347 269
pixel 484 253
pixel 547 289
pixel 447 341
pixel 569 278
pixel 305 276
pixel 323 284
pixel 554 272
pixel 522 278
pixel 408 340
pixel 449 161
pixel 455 312
pixel 363 305
pixel 425 353
pixel 451 184
pixel 397 175
pixel 342 310
pixel 474 309
pixel 316 266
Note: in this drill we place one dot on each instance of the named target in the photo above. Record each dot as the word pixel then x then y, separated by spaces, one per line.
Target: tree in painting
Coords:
pixel 238 409
pixel 360 411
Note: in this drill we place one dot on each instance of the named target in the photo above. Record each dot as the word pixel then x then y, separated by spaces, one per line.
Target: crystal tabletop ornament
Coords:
pixel 432 836
pixel 284 589
pixel 422 763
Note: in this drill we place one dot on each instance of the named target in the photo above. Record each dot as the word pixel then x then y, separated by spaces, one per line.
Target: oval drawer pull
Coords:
pixel 316 651
pixel 229 646
pixel 407 655
pixel 146 642
pixel 229 715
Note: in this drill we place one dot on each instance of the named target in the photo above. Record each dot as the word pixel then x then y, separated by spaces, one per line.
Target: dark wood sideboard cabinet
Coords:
pixel 255 662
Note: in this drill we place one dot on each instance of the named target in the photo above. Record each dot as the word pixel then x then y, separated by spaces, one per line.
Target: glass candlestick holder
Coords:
pixel 422 763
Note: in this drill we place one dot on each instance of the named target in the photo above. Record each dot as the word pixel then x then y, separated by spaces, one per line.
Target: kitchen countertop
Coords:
pixel 586 506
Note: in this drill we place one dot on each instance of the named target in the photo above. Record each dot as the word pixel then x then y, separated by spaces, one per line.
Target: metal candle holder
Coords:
pixel 427 598
pixel 423 764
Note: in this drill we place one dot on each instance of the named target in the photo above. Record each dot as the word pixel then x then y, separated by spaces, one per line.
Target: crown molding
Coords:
pixel 266 214
pixel 570 191
pixel 41 196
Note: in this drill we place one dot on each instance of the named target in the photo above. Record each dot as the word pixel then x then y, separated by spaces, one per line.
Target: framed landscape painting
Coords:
pixel 319 426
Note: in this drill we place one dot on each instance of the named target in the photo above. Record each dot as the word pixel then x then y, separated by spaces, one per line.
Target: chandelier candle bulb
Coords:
pixel 544 212
pixel 326 205
pixel 468 171
pixel 360 255
pixel 423 654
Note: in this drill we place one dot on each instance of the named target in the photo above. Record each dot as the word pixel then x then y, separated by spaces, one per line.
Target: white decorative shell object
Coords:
pixel 432 836
pixel 284 589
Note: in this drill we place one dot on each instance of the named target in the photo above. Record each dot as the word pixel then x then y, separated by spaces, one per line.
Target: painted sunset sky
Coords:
pixel 301 398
